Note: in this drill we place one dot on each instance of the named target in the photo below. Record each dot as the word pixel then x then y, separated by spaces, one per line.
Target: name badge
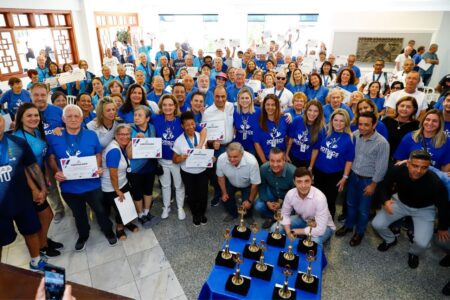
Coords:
pixel 329 155
pixel 302 148
pixel 244 135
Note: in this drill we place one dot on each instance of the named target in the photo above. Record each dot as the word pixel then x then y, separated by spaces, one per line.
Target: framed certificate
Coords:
pixel 200 158
pixel 146 147
pixel 215 130
pixel 75 168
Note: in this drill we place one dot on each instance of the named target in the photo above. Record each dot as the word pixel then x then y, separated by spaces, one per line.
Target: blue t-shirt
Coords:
pixel 127 117
pixel 334 151
pixel 86 143
pixel 379 102
pixel 147 70
pixel 15 100
pixel 106 82
pixel 15 156
pixel 245 125
pixel 168 131
pixel 320 94
pixel 143 165
pixel 51 118
pixel 261 64
pixel 380 128
pixel 349 87
pixel 209 98
pixel 155 98
pixel 439 156
pixel 89 118
pixel 296 88
pixel 37 144
pixel 293 113
pixel 447 129
pixel 301 139
pixel 42 73
pixel 232 93
pixel 159 54
pixel 328 110
pixel 126 81
pixel 146 50
pixel 354 68
pixel 275 137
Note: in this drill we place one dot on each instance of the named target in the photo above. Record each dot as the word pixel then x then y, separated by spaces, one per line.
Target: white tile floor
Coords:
pixel 136 268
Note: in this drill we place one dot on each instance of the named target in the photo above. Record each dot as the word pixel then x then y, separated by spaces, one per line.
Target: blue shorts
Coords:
pixel 27 221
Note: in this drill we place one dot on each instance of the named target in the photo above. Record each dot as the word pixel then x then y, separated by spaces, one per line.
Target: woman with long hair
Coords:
pixel 104 125
pixel 326 74
pixel 296 82
pixel 315 90
pixel 135 97
pixel 85 103
pixel 250 68
pixel 346 80
pixel 245 120
pixel 374 94
pixel 29 126
pixel 53 70
pixel 305 134
pixel 98 91
pixel 272 129
pixel 332 160
pixel 168 76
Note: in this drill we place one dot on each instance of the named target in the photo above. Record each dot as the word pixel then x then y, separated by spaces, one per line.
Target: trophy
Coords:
pixel 307 281
pixel 260 269
pixel 289 258
pixel 237 283
pixel 240 231
pixel 276 238
pixel 252 250
pixel 284 292
pixel 225 257
pixel 307 244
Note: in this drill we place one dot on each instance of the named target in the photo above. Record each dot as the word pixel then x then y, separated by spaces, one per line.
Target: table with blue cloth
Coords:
pixel 214 287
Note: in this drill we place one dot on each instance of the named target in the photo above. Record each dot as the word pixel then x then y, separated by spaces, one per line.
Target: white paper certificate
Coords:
pixel 146 147
pixel 71 76
pixel 200 158
pixel 75 168
pixel 255 85
pixel 424 65
pixel 52 82
pixel 126 208
pixel 215 130
pixel 192 71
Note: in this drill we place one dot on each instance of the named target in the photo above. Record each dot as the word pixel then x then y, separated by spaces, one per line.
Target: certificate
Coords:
pixel 126 208
pixel 215 130
pixel 236 62
pixel 424 65
pixel 8 122
pixel 255 85
pixel 261 49
pixel 146 147
pixel 200 158
pixel 72 76
pixel 75 167
pixel 221 44
pixel 52 82
pixel 192 71
pixel 307 64
pixel 235 43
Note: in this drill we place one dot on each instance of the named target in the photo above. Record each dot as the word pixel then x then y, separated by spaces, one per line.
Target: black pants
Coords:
pixel 77 203
pixel 196 188
pixel 326 182
pixel 298 162
pixel 108 202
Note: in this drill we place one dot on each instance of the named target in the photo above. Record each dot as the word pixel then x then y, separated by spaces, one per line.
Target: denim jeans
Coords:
pixel 297 222
pixel 261 206
pixel 230 205
pixel 358 205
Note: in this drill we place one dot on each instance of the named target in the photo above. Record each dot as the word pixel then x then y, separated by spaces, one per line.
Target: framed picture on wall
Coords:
pixel 370 49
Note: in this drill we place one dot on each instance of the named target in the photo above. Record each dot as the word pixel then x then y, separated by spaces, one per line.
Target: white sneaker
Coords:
pixel 165 213
pixel 181 214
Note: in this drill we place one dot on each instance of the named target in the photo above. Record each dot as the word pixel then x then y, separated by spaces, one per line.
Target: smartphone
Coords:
pixel 55 282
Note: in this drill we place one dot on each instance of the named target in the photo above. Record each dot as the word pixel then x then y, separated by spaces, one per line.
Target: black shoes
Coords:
pixel 383 247
pixel 196 221
pixel 445 262
pixel 54 245
pixel 49 252
pixel 356 240
pixel 80 245
pixel 343 231
pixel 203 220
pixel 112 239
pixel 413 261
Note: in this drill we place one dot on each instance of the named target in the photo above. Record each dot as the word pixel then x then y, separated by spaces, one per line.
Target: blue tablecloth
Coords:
pixel 214 287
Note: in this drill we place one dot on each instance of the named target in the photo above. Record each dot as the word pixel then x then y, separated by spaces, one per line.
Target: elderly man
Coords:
pixel 408 66
pixel 411 43
pixel 106 78
pixel 276 180
pixel 204 88
pixel 332 61
pixel 161 53
pixel 174 53
pixel 376 75
pixel 412 81
pixel 178 62
pixel 188 83
pixel 111 61
pixel 218 67
pixel 41 68
pixel 238 84
pixel 198 61
pixel 237 170
pixel 163 62
pixel 429 57
pixel 307 202
pixel 283 94
pixel 400 59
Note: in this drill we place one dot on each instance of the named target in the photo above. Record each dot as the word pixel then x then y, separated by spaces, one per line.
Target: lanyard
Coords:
pixel 188 140
pixel 137 129
pixel 4 158
pixel 73 147
pixel 379 76
pixel 124 153
pixel 275 92
pixel 325 80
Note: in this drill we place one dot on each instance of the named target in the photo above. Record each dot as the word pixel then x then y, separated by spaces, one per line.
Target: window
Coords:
pixel 20 20
pixel 60 20
pixel 41 20
pixel 2 20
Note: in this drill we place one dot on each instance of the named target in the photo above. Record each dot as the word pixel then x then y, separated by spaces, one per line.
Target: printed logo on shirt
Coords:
pixel 302 140
pixel 5 173
pixel 275 134
pixel 167 137
pixel 330 144
pixel 19 103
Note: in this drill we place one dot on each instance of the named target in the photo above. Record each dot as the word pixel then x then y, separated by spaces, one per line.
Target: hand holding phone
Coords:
pixel 55 282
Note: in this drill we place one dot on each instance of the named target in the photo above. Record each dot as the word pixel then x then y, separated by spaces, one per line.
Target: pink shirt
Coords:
pixel 314 205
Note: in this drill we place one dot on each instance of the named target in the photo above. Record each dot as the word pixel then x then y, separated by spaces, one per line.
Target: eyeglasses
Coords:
pixel 281 78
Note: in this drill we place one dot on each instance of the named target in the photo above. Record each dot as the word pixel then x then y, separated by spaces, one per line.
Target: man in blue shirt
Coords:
pixel 430 58
pixel 15 97
pixel 160 54
pixel 238 84
pixel 145 49
pixel 418 57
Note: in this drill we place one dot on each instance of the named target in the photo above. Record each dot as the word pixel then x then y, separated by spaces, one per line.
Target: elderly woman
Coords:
pixel 59 99
pixel 336 98
pixel 84 86
pixel 106 78
pixel 105 124
pixel 114 179
pixel 76 142
pixel 124 79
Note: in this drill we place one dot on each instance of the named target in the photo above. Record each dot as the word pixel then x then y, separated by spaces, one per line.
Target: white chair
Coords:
pixel 129 69
pixel 430 95
pixel 71 99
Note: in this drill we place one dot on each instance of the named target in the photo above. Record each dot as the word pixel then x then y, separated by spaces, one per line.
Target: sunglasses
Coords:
pixel 281 78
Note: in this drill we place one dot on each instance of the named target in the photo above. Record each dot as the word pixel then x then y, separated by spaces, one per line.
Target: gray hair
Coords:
pixel 122 126
pixel 72 106
pixel 235 146
pixel 146 110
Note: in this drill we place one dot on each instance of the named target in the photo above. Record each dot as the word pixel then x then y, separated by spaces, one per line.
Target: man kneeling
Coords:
pixel 308 202
pixel 411 190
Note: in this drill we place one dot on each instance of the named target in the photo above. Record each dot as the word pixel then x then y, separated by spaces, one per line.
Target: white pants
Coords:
pixel 170 168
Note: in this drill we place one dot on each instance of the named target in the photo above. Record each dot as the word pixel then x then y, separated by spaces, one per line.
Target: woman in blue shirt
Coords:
pixel 140 79
pixel 336 97
pixel 373 94
pixel 430 137
pixel 29 127
pixel 346 80
pixel 135 97
pixel 367 105
pixel 85 103
pixel 53 70
pixel 146 68
pixel 168 75
pixel 124 79
pixel 315 90
pixel 272 129
pixel 332 161
pixel 106 78
pixel 98 91
pixel 84 86
pixel 306 134
pixel 245 120
pixel 299 100
pixel 74 143
pixel 296 82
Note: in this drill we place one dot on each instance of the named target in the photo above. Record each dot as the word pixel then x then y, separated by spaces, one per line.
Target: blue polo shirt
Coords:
pixel 334 151
pixel 320 94
pixel 126 81
pixel 233 91
pixel 15 100
pixel 301 139
pixel 245 126
pixel 155 98
pixel 275 137
pixel 51 118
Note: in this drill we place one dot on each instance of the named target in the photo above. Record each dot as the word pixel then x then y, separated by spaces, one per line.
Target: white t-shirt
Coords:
pixel 112 64
pixel 401 59
pixel 104 135
pixel 181 147
pixel 121 170
pixel 401 76
pixel 284 95
pixel 418 95
pixel 368 78
pixel 212 113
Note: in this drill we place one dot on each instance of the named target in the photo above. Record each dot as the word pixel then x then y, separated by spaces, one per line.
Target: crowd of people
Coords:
pixel 293 140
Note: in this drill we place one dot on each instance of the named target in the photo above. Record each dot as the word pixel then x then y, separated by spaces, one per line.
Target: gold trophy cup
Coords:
pixel 226 254
pixel 284 292
pixel 261 266
pixel 253 247
pixel 237 278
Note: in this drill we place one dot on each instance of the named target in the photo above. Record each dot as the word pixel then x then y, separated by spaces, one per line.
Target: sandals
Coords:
pixel 131 227
pixel 121 235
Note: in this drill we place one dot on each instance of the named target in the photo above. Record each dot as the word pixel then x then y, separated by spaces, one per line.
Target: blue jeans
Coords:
pixel 297 222
pixel 358 205
pixel 261 207
pixel 230 205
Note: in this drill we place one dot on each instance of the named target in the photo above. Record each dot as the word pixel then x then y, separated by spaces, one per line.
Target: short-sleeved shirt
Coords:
pixel 301 139
pixel 84 144
pixel 112 157
pixel 15 100
pixel 51 118
pixel 418 95
pixel 169 131
pixel 233 91
pixel 320 94
pixel 334 151
pixel 143 165
pixel 244 174
pixel 37 144
pixel 382 78
pixel 432 56
pixel 328 111
pixel 285 96
pixel 245 126
pixel 295 88
pixel 14 190
pixel 105 136
pixel 274 137
pixel 181 147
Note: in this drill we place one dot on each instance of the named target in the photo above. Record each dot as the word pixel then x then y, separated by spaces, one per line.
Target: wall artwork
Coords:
pixel 370 48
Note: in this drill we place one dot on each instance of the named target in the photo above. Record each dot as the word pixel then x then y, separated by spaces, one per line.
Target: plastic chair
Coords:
pixel 71 99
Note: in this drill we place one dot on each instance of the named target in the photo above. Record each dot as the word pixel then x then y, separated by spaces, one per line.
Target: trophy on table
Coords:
pixel 307 281
pixel 252 250
pixel 308 244
pixel 225 257
pixel 276 238
pixel 283 291
pixel 289 258
pixel 236 282
pixel 240 231
pixel 260 269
